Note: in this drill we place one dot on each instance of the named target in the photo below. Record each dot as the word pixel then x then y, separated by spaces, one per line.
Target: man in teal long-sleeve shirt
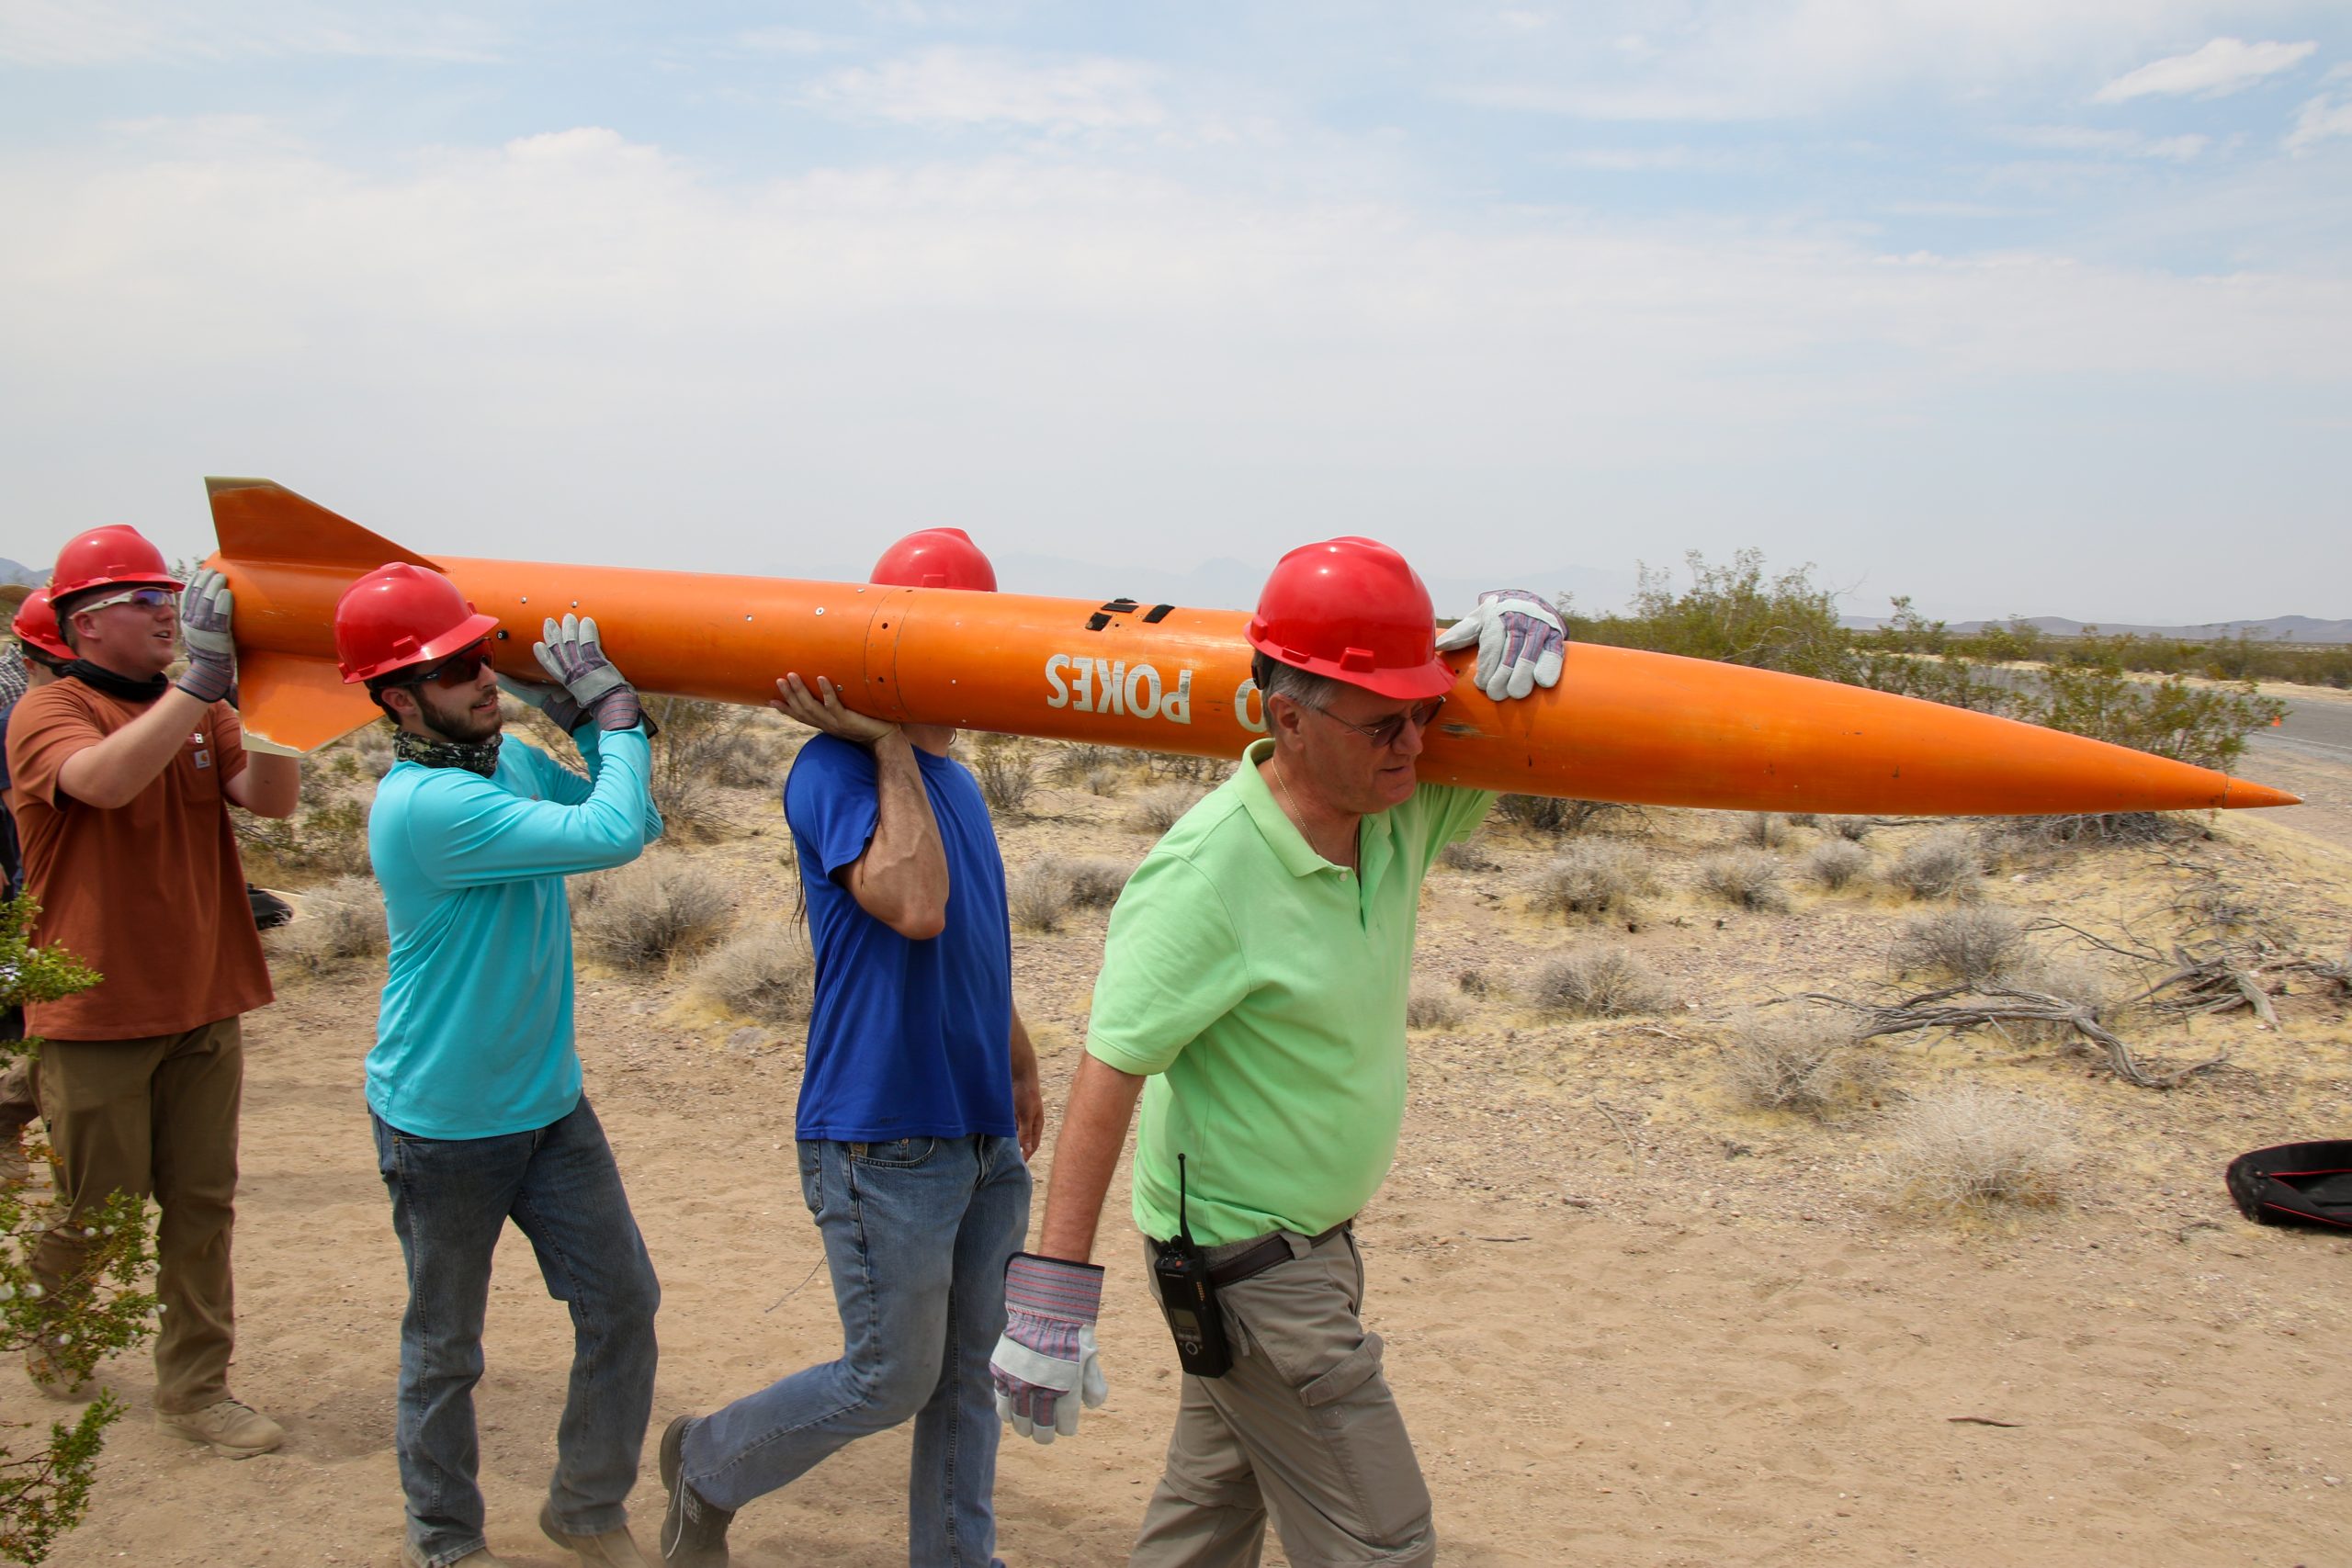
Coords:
pixel 474 1085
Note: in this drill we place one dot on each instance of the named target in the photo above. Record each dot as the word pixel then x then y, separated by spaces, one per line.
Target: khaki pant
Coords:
pixel 157 1117
pixel 1303 1425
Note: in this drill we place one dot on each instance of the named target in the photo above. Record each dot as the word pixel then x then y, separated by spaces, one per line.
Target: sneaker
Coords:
pixel 694 1534
pixel 614 1549
pixel 233 1429
pixel 50 1379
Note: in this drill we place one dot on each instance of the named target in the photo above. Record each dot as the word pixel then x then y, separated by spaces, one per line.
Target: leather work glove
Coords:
pixel 205 606
pixel 1520 642
pixel 1047 1365
pixel 552 701
pixel 575 660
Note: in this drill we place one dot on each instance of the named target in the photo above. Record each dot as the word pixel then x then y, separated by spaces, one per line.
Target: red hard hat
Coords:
pixel 935 558
pixel 403 614
pixel 36 624
pixel 1352 609
pixel 104 557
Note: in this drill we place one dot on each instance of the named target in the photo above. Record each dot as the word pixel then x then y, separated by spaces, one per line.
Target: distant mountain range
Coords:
pixel 15 572
pixel 2277 629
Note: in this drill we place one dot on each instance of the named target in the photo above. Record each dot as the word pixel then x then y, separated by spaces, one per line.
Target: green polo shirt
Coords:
pixel 1263 990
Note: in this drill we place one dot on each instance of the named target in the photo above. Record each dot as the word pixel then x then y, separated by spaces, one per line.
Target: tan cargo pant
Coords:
pixel 157 1117
pixel 1303 1425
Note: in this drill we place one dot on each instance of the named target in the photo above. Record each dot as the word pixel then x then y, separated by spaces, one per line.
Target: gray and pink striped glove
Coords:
pixel 1521 644
pixel 1046 1365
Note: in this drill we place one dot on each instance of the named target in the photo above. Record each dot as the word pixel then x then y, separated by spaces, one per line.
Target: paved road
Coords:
pixel 2316 728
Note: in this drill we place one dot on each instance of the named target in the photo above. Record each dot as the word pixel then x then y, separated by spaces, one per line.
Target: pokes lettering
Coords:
pixel 1087 685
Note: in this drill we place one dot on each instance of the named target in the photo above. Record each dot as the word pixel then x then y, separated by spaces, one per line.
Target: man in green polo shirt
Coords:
pixel 1253 993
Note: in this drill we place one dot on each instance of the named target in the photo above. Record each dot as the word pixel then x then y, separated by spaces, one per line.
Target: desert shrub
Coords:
pixel 334 925
pixel 1466 854
pixel 1180 767
pixel 1547 814
pixel 1747 878
pixel 1157 809
pixel 1072 761
pixel 1782 1061
pixel 1805 819
pixel 1473 983
pixel 696 740
pixel 2078 981
pixel 1967 1147
pixel 1592 879
pixel 1598 982
pixel 1095 881
pixel 1105 780
pixel 373 745
pixel 1836 862
pixel 1973 944
pixel 325 838
pixel 1764 830
pixel 747 760
pixel 650 911
pixel 1003 765
pixel 1853 829
pixel 1431 1007
pixel 1038 894
pixel 763 972
pixel 1948 864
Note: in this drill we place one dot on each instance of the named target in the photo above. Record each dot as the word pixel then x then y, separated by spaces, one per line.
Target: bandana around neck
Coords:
pixel 121 687
pixel 474 756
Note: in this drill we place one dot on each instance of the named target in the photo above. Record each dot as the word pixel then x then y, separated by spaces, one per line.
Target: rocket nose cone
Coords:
pixel 2244 794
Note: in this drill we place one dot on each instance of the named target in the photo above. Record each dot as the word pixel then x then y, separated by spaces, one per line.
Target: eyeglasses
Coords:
pixel 145 598
pixel 455 671
pixel 1386 731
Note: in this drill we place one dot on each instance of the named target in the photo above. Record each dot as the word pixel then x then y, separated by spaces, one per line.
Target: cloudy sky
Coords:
pixel 2017 306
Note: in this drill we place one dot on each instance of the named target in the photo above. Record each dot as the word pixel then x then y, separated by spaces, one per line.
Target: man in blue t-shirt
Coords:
pixel 918 1112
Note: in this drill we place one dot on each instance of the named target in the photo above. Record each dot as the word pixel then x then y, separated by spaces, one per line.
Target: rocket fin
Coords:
pixel 261 520
pixel 290 692
pixel 292 705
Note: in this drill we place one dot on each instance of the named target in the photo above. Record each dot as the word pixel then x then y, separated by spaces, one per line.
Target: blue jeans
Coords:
pixel 451 1200
pixel 917 1234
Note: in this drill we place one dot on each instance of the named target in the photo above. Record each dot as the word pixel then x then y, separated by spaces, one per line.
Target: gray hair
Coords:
pixel 1304 687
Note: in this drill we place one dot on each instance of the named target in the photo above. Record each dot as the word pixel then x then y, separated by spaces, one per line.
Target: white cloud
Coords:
pixel 2122 143
pixel 968 87
pixel 2223 66
pixel 2321 117
pixel 105 32
pixel 783 40
pixel 1714 60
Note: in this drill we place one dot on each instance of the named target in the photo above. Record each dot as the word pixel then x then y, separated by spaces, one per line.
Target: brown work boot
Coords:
pixel 51 1379
pixel 232 1426
pixel 614 1549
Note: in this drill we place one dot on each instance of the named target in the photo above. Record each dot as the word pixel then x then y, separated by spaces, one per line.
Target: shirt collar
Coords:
pixel 1282 835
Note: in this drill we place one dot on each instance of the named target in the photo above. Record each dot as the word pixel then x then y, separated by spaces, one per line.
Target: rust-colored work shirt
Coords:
pixel 151 894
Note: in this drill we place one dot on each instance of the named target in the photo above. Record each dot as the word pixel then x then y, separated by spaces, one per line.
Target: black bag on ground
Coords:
pixel 2306 1184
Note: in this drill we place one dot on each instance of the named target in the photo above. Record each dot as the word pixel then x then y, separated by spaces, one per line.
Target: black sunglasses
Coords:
pixel 1385 731
pixel 455 671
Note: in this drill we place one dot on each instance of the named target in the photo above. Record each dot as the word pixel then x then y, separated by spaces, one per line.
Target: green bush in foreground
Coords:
pixel 45 1493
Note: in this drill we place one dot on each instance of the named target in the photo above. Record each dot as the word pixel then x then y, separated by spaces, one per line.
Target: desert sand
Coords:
pixel 1629 1320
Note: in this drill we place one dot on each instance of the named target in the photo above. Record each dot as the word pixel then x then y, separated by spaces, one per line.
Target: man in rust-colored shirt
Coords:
pixel 121 781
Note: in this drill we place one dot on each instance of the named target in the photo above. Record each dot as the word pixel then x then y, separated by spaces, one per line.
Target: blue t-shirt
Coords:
pixel 906 1039
pixel 474 1038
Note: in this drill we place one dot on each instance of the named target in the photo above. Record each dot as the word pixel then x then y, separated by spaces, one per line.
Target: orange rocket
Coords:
pixel 1647 729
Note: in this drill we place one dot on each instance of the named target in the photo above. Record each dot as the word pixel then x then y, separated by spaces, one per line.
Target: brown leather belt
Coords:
pixel 1263 1255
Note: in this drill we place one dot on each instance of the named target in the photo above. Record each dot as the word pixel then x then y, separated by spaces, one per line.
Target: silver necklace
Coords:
pixel 1297 816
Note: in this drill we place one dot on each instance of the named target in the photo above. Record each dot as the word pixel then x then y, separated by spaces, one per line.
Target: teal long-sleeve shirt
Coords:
pixel 475 1039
